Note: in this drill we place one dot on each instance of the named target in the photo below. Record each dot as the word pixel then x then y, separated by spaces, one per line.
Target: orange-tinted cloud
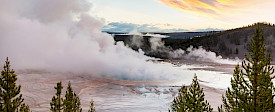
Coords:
pixel 212 7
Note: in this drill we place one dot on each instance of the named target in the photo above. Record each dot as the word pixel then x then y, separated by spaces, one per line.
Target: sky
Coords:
pixel 181 15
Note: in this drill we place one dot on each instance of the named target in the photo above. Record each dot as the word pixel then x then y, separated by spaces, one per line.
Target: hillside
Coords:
pixel 230 43
pixel 188 35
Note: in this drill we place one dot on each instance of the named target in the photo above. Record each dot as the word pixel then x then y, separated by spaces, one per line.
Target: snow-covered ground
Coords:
pixel 118 95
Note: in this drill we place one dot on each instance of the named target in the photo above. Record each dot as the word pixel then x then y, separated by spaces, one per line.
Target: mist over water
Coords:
pixel 35 36
pixel 201 54
pixel 44 35
pixel 197 54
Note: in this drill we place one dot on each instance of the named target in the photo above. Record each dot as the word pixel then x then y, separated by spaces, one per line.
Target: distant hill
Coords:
pixel 230 43
pixel 114 33
pixel 171 35
pixel 188 35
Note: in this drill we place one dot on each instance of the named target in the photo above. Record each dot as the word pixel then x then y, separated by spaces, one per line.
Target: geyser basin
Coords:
pixel 54 41
pixel 122 95
pixel 181 74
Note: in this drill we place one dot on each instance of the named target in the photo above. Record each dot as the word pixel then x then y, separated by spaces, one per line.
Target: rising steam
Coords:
pixel 59 36
pixel 198 54
pixel 45 35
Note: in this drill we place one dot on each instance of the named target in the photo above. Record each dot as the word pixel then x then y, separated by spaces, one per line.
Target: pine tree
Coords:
pixel 71 102
pixel 179 104
pixel 192 100
pixel 92 108
pixel 251 88
pixel 237 96
pixel 56 104
pixel 76 104
pixel 24 108
pixel 10 98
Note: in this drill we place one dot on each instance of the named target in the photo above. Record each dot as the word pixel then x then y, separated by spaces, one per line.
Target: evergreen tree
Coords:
pixel 56 104
pixel 179 103
pixel 256 93
pixel 192 100
pixel 71 102
pixel 10 98
pixel 24 108
pixel 92 108
pixel 237 96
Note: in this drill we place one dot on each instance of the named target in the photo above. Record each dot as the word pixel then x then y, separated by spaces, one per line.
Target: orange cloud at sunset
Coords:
pixel 216 8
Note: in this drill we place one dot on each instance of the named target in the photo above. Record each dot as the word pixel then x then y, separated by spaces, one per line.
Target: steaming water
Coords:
pixel 122 95
pixel 157 97
pixel 35 37
pixel 214 79
pixel 43 35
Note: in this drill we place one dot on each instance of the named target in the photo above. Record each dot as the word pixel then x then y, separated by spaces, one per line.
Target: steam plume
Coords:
pixel 198 54
pixel 44 35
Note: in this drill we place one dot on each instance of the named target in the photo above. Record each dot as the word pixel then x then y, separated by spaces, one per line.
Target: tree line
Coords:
pixel 251 88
